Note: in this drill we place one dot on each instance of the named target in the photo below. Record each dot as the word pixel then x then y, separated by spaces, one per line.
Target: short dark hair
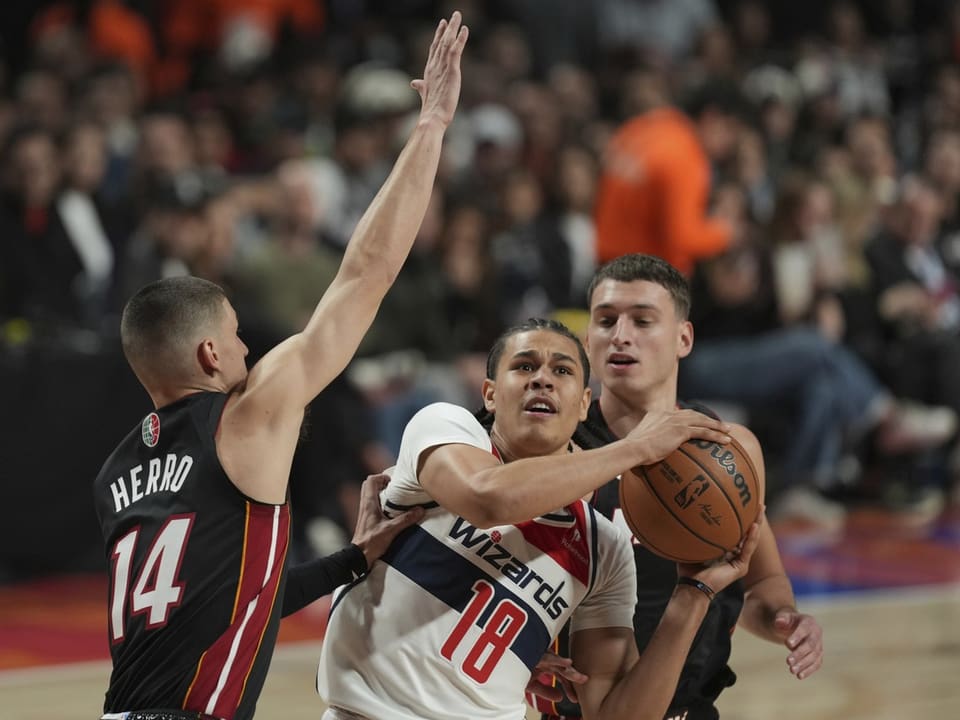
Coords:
pixel 496 352
pixel 164 314
pixel 636 266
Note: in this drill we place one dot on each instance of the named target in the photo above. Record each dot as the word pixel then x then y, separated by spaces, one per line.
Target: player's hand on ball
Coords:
pixel 803 637
pixel 662 432
pixel 734 566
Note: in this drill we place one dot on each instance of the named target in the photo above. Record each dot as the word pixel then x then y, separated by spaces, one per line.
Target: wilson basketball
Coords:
pixel 695 504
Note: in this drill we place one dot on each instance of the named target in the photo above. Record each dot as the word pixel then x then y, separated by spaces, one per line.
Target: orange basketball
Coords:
pixel 695 504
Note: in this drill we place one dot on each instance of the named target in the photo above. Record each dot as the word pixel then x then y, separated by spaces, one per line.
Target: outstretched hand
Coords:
pixel 439 87
pixel 659 433
pixel 803 636
pixel 374 532
pixel 560 667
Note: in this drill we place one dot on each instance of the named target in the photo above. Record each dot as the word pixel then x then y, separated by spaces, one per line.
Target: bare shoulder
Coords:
pixel 258 434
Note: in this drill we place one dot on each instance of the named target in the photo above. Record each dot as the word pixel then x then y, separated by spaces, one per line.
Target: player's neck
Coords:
pixel 508 452
pixel 623 413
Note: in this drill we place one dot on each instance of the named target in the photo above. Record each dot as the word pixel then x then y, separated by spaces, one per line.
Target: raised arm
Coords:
pixel 260 426
pixel 307 362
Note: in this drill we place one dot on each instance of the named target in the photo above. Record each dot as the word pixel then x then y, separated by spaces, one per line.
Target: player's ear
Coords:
pixel 488 391
pixel 585 403
pixel 685 339
pixel 207 356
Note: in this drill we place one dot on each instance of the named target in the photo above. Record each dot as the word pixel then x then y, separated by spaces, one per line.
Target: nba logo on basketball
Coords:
pixel 150 430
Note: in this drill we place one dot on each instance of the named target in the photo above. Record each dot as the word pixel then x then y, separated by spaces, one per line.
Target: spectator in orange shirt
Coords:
pixel 656 181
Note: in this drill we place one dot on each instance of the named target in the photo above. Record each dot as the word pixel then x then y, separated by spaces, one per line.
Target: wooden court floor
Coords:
pixel 887 593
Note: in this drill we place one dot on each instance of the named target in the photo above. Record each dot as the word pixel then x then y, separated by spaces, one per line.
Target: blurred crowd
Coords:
pixel 801 163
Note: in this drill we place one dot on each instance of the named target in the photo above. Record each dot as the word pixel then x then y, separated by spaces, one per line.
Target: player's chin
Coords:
pixel 545 436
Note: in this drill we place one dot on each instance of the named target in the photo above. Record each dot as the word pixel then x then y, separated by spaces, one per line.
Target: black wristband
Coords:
pixel 356 559
pixel 701 586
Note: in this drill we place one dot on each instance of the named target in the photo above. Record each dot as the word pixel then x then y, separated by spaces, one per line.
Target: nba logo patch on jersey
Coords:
pixel 150 430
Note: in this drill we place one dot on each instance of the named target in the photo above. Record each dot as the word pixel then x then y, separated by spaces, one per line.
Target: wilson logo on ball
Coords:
pixel 694 505
pixel 727 461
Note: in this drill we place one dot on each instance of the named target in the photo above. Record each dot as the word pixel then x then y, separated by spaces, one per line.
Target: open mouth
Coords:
pixel 621 360
pixel 541 406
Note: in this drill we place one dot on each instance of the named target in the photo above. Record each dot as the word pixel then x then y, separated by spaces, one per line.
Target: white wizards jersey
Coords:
pixel 453 619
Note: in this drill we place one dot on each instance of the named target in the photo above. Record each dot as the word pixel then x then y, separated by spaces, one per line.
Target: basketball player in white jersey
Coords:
pixel 465 603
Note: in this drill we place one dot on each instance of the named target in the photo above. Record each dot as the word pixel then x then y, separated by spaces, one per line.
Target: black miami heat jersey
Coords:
pixel 705 673
pixel 196 569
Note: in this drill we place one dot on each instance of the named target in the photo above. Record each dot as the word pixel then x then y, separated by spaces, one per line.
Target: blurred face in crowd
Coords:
pixel 816 209
pixel 920 212
pixel 507 49
pixel 42 100
pixel 214 141
pixel 523 198
pixel 299 210
pixel 86 157
pixel 635 339
pixel 464 255
pixel 359 147
pixel 942 162
pixel 719 132
pixel 751 157
pixel 752 23
pixel 870 150
pixel 166 145
pixel 576 92
pixel 113 96
pixel 181 234
pixel 36 169
pixel 577 179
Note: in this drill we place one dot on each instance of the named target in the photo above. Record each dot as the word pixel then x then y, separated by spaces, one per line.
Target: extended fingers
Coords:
pixel 805 660
pixel 806 644
pixel 371 488
pixel 408 518
pixel 441 27
pixel 551 662
pixel 808 629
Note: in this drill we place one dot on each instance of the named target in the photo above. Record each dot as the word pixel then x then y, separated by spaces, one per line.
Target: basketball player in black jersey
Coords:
pixel 638 332
pixel 193 502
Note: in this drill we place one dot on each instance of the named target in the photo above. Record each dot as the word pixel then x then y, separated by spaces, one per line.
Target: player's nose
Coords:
pixel 621 335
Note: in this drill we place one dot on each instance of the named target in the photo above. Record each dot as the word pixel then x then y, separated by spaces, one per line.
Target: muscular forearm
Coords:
pixel 761 603
pixel 311 580
pixel 646 690
pixel 517 491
